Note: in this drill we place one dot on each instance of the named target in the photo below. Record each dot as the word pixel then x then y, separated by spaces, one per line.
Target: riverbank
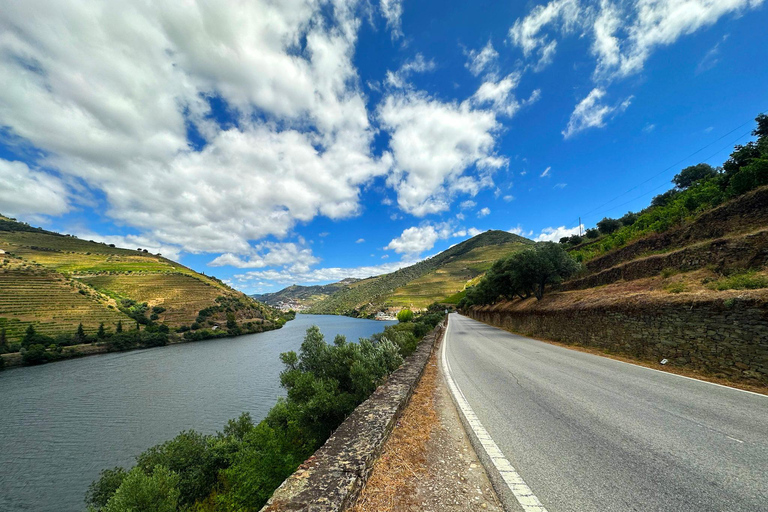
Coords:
pixel 52 355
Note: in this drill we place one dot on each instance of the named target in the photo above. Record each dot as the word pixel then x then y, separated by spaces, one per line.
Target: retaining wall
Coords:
pixel 333 477
pixel 721 338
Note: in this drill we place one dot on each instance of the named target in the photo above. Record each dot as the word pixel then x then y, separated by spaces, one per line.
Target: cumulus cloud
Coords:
pixel 529 32
pixel 484 212
pixel 25 191
pixel 518 230
pixel 433 143
pixel 271 254
pixel 299 144
pixel 417 239
pixel 479 61
pixel 555 234
pixel 591 112
pixel 318 275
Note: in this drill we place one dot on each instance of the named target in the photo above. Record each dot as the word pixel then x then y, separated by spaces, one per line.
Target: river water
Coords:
pixel 62 423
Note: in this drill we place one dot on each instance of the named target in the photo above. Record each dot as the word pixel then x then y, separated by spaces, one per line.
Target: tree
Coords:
pixel 665 198
pixel 592 233
pixel 80 334
pixel 692 174
pixel 575 239
pixel 628 219
pixel 564 240
pixel 231 321
pixel 30 337
pixel 3 341
pixel 119 327
pixel 35 354
pixel 762 126
pixel 102 489
pixel 101 333
pixel 154 492
pixel 550 266
pixel 608 226
pixel 405 315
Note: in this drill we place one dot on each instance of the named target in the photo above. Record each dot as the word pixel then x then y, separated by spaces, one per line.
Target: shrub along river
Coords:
pixel 62 423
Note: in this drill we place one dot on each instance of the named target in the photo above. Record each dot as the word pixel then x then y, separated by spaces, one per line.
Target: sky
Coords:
pixel 272 143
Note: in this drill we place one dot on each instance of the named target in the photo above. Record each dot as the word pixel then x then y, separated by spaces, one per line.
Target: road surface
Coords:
pixel 588 433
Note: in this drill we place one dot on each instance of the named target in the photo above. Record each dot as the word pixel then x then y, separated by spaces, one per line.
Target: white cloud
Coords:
pixel 270 254
pixel 360 241
pixel 467 205
pixel 546 56
pixel 546 172
pixel 484 212
pixel 712 57
pixel 25 191
pixel 319 275
pixel 499 95
pixel 509 198
pixel 479 61
pixel 417 239
pixel 591 112
pixel 299 146
pixel 433 143
pixel 399 79
pixel 518 230
pixel 527 33
pixel 474 231
pixel 392 10
pixel 555 234
pixel 560 185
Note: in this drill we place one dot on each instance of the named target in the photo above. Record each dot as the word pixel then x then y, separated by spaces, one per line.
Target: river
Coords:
pixel 62 423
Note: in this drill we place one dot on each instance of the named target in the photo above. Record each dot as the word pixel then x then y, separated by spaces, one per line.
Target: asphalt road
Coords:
pixel 588 433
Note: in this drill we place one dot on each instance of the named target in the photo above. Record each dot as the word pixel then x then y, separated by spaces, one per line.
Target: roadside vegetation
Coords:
pixel 524 274
pixel 239 468
pixel 696 188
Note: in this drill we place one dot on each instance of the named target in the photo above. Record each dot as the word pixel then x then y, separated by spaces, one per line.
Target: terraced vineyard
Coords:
pixel 451 277
pixel 56 282
pixel 181 295
pixel 50 302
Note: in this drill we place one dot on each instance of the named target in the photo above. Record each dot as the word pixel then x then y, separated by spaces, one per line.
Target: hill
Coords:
pixel 55 282
pixel 299 298
pixel 432 280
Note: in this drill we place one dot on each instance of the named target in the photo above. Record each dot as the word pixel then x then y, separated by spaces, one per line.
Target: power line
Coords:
pixel 671 167
pixel 665 184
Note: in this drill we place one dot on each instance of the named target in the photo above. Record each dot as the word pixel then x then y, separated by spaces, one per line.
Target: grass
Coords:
pixel 451 278
pixel 746 280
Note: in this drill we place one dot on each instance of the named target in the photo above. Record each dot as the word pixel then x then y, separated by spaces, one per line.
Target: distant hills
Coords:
pixel 441 278
pixel 55 282
pixel 299 297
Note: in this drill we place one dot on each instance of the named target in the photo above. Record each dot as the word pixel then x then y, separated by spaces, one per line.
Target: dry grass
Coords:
pixel 404 458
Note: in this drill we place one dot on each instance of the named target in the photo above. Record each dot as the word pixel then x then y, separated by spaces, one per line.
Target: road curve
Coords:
pixel 588 433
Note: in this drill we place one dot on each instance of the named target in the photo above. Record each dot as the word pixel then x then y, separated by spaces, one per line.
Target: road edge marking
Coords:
pixel 509 475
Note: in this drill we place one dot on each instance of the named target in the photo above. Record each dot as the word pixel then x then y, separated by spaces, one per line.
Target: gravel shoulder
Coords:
pixel 428 463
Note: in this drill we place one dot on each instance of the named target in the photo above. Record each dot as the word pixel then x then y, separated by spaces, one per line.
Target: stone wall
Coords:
pixel 740 252
pixel 333 477
pixel 721 338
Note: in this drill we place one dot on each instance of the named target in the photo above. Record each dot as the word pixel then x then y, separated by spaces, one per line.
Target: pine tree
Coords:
pixel 119 326
pixel 3 338
pixel 101 333
pixel 29 336
pixel 80 335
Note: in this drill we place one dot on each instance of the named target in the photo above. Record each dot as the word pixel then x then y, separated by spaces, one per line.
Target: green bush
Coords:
pixel 749 280
pixel 156 491
pixel 405 315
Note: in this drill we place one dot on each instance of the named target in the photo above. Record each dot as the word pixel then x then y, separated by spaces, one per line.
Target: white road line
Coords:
pixel 511 477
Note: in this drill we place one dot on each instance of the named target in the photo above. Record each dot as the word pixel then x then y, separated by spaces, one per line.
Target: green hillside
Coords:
pixel 303 296
pixel 428 281
pixel 55 282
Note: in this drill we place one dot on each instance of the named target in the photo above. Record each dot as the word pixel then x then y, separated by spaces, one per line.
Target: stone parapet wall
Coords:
pixel 333 477
pixel 721 338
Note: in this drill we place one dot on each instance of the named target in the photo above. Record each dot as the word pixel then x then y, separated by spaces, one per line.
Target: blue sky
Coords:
pixel 273 143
